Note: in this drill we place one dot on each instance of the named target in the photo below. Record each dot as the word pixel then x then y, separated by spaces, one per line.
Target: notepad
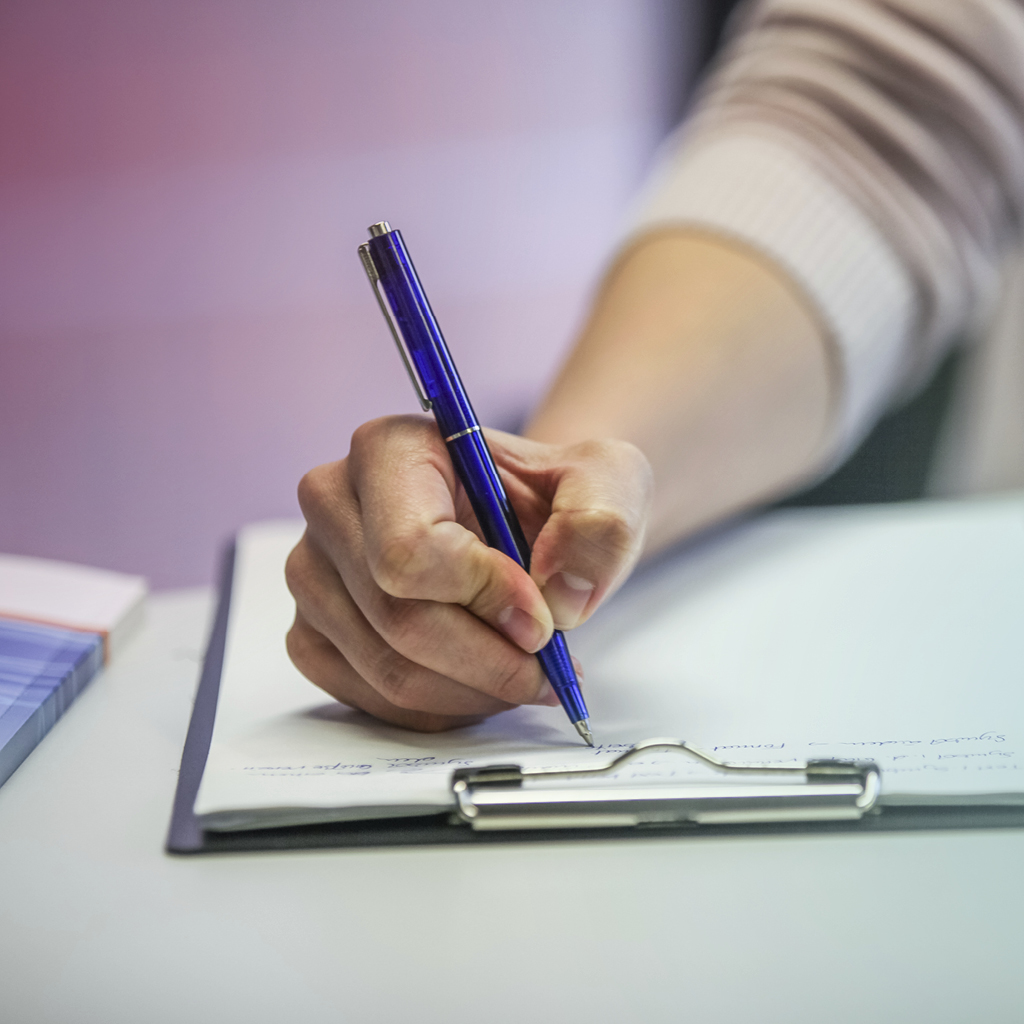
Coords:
pixel 58 624
pixel 885 632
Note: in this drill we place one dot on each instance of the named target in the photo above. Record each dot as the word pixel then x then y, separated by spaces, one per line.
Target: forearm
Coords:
pixel 706 358
pixel 875 150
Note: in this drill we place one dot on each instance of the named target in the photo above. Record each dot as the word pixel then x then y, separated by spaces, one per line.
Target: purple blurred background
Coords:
pixel 185 324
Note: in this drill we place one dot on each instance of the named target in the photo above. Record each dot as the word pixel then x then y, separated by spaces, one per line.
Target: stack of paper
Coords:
pixel 58 623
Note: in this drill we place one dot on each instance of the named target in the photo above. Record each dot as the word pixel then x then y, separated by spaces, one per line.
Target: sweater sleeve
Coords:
pixel 874 150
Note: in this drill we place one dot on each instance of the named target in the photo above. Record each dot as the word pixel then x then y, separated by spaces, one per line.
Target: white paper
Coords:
pixel 891 633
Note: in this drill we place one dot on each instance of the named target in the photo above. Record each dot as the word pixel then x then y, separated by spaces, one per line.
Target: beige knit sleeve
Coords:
pixel 873 148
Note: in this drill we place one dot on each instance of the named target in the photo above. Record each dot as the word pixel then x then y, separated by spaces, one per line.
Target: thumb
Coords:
pixel 595 532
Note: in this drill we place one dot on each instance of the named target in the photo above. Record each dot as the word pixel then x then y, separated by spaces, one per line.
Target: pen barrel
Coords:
pixel 474 464
pixel 558 667
pixel 421 333
pixel 498 521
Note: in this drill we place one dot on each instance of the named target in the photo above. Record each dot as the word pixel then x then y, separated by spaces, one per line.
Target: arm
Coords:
pixel 873 151
pixel 811 244
pixel 830 217
pixel 706 358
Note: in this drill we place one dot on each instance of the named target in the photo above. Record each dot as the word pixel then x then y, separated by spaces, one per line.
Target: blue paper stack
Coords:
pixel 42 670
pixel 59 623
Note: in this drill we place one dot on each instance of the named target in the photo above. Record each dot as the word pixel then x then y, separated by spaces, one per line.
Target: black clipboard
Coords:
pixel 186 835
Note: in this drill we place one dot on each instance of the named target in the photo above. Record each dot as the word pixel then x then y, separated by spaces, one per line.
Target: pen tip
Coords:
pixel 583 728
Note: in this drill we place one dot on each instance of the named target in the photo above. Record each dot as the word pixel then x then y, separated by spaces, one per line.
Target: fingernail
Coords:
pixel 567 597
pixel 576 664
pixel 547 696
pixel 522 629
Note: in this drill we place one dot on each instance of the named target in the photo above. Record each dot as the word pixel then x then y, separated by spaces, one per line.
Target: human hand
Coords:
pixel 404 612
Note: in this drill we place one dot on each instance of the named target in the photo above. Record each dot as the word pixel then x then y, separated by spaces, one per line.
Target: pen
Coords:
pixel 440 390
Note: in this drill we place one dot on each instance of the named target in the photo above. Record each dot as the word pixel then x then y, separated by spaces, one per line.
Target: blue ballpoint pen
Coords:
pixel 439 389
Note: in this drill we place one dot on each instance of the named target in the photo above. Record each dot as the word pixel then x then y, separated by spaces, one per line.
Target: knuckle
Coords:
pixel 402 626
pixel 392 678
pixel 296 646
pixel 315 489
pixel 624 455
pixel 608 530
pixel 366 435
pixel 369 437
pixel 299 572
pixel 301 648
pixel 595 449
pixel 400 563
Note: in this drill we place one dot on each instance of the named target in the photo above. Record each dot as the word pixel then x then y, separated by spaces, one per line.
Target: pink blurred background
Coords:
pixel 185 324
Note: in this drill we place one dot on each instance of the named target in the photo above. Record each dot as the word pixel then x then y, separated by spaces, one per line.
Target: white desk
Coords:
pixel 99 926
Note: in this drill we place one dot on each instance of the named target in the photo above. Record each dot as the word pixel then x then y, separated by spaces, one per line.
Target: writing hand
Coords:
pixel 404 612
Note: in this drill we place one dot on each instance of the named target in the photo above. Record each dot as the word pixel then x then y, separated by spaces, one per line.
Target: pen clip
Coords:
pixel 371 272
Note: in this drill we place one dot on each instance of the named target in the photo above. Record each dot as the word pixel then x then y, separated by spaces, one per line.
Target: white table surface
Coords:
pixel 98 924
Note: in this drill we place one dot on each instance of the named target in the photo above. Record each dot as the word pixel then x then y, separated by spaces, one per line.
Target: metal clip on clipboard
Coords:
pixel 494 798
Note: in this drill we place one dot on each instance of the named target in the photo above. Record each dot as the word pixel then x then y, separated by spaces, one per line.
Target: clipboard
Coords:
pixel 500 803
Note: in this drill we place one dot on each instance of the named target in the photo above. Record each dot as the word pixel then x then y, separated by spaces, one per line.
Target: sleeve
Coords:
pixel 874 150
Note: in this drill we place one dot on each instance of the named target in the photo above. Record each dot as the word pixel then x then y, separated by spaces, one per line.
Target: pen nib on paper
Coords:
pixel 583 728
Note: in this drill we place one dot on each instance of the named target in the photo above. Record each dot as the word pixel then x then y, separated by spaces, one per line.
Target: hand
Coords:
pixel 404 612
